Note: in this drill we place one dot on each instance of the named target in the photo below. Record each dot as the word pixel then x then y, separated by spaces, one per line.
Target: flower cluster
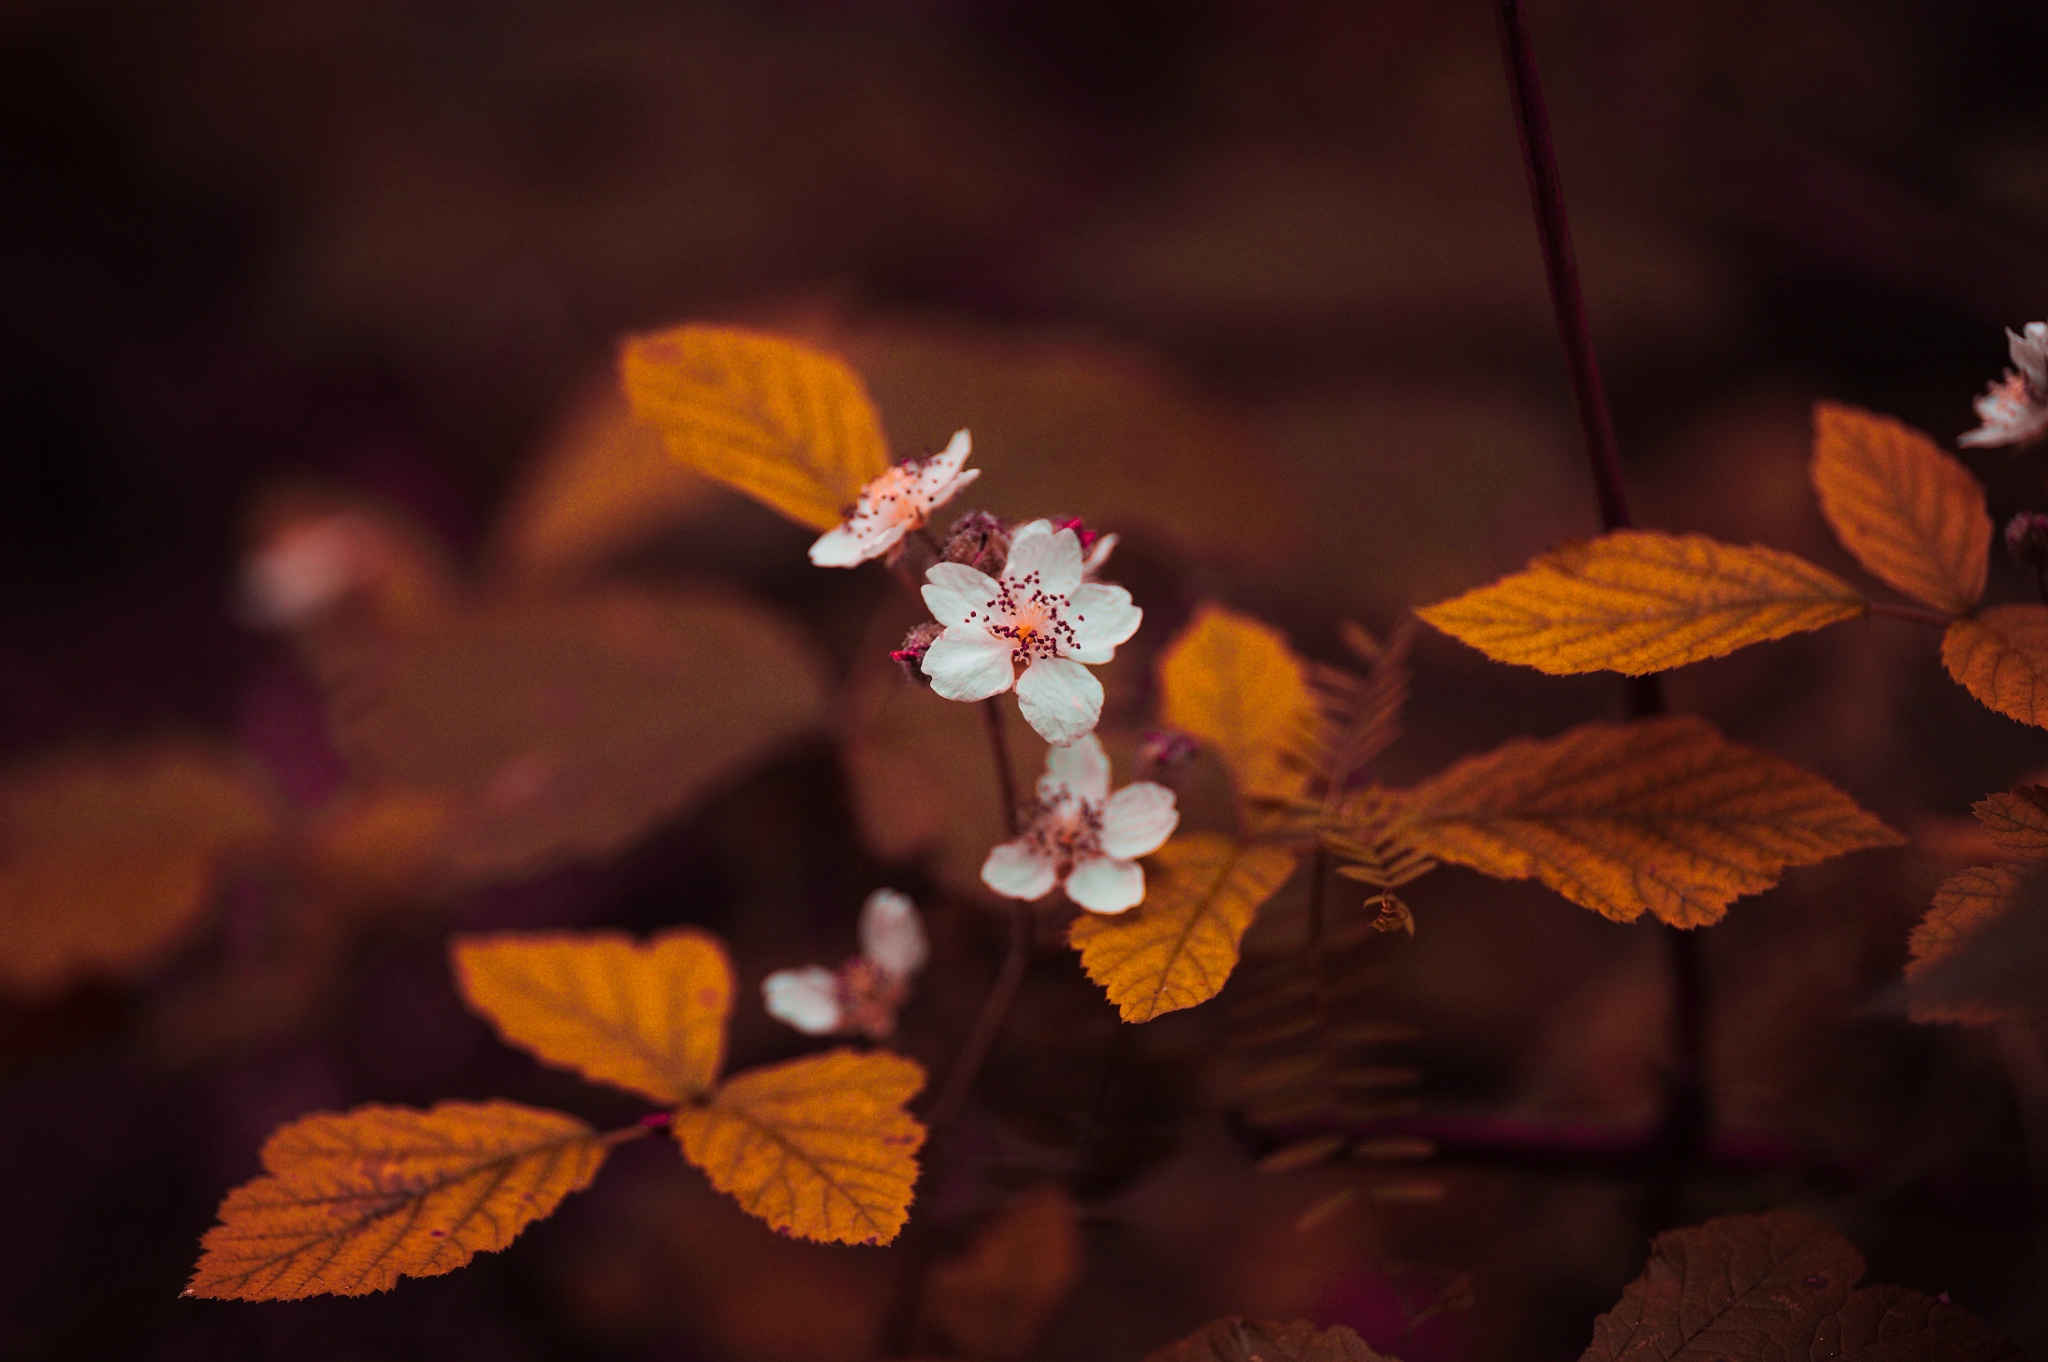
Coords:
pixel 2014 410
pixel 1013 608
pixel 863 995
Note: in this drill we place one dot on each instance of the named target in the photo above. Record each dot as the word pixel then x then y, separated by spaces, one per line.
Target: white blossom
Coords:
pixel 308 568
pixel 863 995
pixel 2014 410
pixel 1040 615
pixel 1080 836
pixel 902 499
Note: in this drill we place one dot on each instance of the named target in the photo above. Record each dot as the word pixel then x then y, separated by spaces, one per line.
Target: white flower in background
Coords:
pixel 1079 835
pixel 902 499
pixel 1039 615
pixel 863 995
pixel 2014 410
pixel 307 568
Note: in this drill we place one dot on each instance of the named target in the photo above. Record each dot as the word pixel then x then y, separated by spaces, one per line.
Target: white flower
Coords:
pixel 308 568
pixel 894 504
pixel 1041 616
pixel 864 994
pixel 1079 835
pixel 2014 410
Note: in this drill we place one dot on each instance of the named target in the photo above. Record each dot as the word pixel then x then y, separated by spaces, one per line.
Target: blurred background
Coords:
pixel 1253 284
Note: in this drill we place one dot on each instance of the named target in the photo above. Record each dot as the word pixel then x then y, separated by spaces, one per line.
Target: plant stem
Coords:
pixel 1006 780
pixel 982 1037
pixel 2027 1069
pixel 1685 1120
pixel 1910 612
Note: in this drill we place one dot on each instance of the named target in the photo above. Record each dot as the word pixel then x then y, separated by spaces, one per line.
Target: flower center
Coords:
pixel 1064 829
pixel 1028 615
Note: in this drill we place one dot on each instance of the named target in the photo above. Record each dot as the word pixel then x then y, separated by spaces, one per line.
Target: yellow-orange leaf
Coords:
pixel 649 1018
pixel 1636 601
pixel 2017 819
pixel 820 1147
pixel 1178 947
pixel 1965 902
pixel 2001 657
pixel 787 425
pixel 1233 683
pixel 1663 816
pixel 993 1300
pixel 352 1201
pixel 108 858
pixel 1911 514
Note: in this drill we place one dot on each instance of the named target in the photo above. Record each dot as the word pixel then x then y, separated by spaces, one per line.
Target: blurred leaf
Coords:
pixel 2000 656
pixel 819 1147
pixel 993 1300
pixel 108 859
pixel 1233 683
pixel 1765 1288
pixel 2017 819
pixel 1636 601
pixel 649 1018
pixel 1663 816
pixel 1235 1339
pixel 1178 947
pixel 564 727
pixel 1980 955
pixel 1912 515
pixel 922 776
pixel 601 484
pixel 788 425
pixel 352 1201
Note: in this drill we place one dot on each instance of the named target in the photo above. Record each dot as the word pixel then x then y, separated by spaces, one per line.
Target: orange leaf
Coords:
pixel 648 1018
pixel 352 1201
pixel 1663 816
pixel 993 1300
pixel 1233 683
pixel 1178 947
pixel 1764 1288
pixel 820 1147
pixel 2001 657
pixel 1912 515
pixel 1966 903
pixel 564 727
pixel 787 425
pixel 1235 1339
pixel 1636 601
pixel 107 859
pixel 2017 819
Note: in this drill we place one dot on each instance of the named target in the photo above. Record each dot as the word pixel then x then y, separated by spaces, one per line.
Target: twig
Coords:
pixel 1006 779
pixel 1910 612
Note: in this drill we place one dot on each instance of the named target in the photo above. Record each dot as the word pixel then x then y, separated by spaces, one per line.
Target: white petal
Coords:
pixel 953 591
pixel 1056 558
pixel 892 934
pixel 1082 767
pixel 1098 557
pixel 1107 886
pixel 969 664
pixel 1061 699
pixel 806 998
pixel 943 466
pixel 939 496
pixel 1029 530
pixel 1102 617
pixel 1137 820
pixel 1016 872
pixel 2029 351
pixel 846 547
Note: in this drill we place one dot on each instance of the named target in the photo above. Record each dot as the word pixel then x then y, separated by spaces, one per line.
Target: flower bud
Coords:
pixel 916 643
pixel 979 540
pixel 1161 752
pixel 2026 539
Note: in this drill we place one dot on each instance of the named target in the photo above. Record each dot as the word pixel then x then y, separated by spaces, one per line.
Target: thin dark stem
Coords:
pixel 1686 1119
pixel 994 1008
pixel 1006 780
pixel 2027 1068
pixel 2041 581
pixel 1567 300
pixel 1910 612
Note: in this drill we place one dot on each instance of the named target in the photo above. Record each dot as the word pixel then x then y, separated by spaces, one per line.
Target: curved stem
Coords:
pixel 1006 779
pixel 1910 612
pixel 982 1037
